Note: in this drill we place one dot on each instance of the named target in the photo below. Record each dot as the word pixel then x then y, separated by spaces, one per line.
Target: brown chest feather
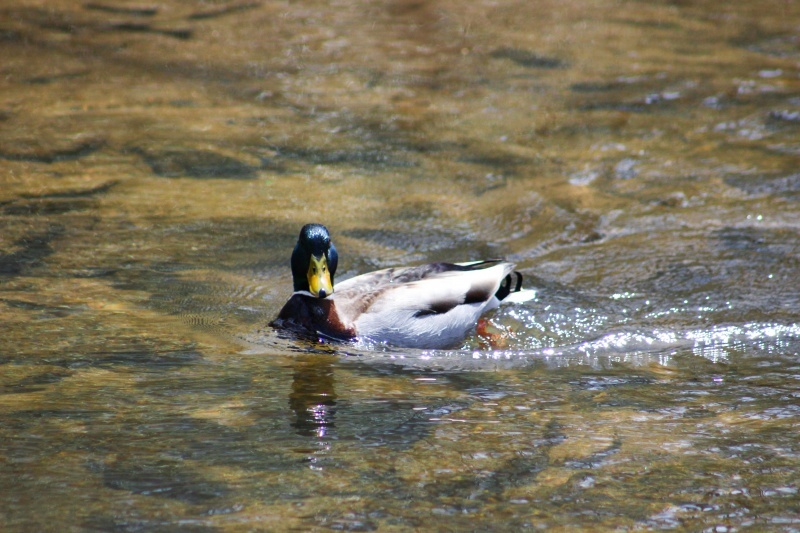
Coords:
pixel 313 315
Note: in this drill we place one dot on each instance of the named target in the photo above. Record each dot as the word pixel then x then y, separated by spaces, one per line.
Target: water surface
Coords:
pixel 637 160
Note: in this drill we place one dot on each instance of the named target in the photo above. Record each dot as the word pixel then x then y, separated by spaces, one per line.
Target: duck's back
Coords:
pixel 429 306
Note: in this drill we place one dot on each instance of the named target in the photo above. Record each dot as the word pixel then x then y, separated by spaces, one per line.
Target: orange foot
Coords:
pixel 489 339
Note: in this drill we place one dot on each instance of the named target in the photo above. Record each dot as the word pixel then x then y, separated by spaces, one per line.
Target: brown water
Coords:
pixel 639 161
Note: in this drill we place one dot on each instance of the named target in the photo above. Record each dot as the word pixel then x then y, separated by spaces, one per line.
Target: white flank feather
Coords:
pixel 402 316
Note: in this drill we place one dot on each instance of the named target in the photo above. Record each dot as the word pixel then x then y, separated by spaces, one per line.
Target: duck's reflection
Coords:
pixel 313 398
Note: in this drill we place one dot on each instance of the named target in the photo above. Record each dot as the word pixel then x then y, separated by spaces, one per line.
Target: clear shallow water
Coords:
pixel 637 160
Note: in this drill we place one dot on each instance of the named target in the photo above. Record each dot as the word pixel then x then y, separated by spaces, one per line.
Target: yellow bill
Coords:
pixel 319 277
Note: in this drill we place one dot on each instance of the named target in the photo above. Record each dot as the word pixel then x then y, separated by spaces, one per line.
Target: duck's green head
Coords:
pixel 314 261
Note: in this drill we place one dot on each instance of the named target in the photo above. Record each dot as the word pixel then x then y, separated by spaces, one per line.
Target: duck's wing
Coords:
pixel 416 273
pixel 433 305
pixel 446 286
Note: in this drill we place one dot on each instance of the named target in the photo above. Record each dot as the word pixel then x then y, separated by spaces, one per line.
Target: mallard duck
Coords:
pixel 427 306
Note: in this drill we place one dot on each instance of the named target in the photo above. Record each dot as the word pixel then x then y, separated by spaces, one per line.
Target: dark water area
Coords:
pixel 638 160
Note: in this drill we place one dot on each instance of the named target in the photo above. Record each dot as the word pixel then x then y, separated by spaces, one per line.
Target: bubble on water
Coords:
pixel 775 73
pixel 626 169
pixel 584 177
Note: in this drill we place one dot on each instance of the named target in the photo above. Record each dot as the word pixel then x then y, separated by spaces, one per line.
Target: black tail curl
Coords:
pixel 506 286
